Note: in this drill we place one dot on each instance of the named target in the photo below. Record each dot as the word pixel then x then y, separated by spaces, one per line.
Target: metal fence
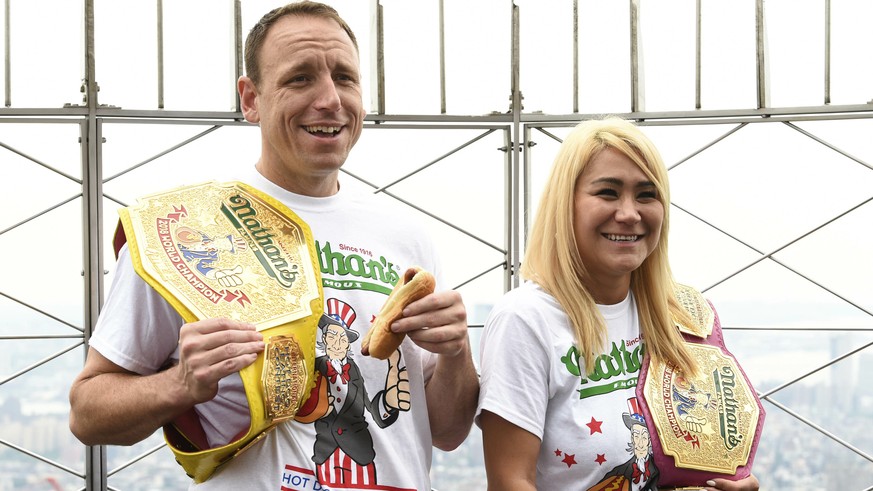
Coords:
pixel 772 185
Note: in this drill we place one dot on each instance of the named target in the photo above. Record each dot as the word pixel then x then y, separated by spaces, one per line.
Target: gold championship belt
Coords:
pixel 229 250
pixel 707 426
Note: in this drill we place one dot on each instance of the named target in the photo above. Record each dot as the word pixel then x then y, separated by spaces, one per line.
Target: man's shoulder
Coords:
pixel 387 212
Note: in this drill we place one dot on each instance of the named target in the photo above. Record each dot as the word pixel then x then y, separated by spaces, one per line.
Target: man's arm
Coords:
pixel 113 406
pixel 438 323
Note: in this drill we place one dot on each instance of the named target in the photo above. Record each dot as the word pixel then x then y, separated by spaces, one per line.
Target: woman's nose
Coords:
pixel 627 211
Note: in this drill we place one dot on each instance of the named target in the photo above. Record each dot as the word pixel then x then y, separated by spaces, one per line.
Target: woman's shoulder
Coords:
pixel 527 300
pixel 527 293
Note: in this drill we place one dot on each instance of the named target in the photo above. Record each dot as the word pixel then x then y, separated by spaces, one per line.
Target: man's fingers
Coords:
pixel 212 333
pixel 448 300
pixel 212 349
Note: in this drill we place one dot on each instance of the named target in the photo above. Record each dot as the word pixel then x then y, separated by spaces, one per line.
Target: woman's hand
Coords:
pixel 748 484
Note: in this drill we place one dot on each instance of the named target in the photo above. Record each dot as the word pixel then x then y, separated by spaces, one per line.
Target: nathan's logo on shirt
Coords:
pixel 613 371
pixel 358 272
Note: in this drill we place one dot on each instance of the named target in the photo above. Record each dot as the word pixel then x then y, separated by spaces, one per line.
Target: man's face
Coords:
pixel 640 438
pixel 336 343
pixel 308 103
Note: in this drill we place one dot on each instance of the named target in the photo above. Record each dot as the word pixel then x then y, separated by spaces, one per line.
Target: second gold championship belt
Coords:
pixel 703 427
pixel 229 250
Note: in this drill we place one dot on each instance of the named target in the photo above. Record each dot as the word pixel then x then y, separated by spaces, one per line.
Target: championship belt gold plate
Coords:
pixel 228 250
pixel 709 423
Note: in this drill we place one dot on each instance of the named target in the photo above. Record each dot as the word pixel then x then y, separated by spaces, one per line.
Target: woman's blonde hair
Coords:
pixel 552 258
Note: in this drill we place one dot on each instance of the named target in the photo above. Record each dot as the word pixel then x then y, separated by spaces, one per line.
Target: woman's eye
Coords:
pixel 648 195
pixel 608 192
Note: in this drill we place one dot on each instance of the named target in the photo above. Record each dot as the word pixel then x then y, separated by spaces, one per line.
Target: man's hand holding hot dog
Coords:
pixel 438 323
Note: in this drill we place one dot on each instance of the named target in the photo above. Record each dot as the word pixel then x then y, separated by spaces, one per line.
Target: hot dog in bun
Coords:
pixel 380 341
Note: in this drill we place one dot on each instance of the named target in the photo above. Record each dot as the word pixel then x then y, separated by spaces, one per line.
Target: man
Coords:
pixel 145 368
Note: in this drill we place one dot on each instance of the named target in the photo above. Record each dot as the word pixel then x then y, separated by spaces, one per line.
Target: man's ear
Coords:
pixel 248 99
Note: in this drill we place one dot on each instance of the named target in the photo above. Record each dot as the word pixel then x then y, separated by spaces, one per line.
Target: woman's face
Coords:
pixel 617 218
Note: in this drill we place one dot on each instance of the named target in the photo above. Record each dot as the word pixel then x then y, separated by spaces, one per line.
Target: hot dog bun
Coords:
pixel 380 341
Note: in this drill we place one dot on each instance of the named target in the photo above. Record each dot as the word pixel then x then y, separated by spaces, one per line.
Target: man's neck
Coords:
pixel 317 187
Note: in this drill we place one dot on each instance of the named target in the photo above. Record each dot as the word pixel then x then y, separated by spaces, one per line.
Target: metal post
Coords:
pixel 761 52
pixel 237 51
pixel 575 56
pixel 515 147
pixel 827 53
pixel 8 57
pixel 525 199
pixel 697 52
pixel 637 98
pixel 92 229
pixel 377 58
pixel 509 202
pixel 442 59
pixel 160 29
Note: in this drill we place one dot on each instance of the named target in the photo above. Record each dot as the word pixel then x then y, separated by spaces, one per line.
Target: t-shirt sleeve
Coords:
pixel 515 368
pixel 137 329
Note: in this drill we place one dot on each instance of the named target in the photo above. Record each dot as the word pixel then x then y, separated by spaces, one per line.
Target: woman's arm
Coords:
pixel 510 454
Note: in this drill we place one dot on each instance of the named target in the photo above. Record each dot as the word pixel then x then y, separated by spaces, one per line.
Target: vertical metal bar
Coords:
pixel 92 229
pixel 515 147
pixel 238 51
pixel 636 73
pixel 160 28
pixel 509 204
pixel 697 58
pixel 526 204
pixel 442 59
pixel 761 53
pixel 8 56
pixel 827 53
pixel 377 58
pixel 575 57
pixel 95 456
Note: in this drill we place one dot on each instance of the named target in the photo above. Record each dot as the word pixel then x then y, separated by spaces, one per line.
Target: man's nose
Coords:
pixel 328 97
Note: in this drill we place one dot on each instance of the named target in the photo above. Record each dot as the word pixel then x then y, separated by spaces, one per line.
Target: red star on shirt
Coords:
pixel 570 460
pixel 601 458
pixel 594 426
pixel 373 319
pixel 558 452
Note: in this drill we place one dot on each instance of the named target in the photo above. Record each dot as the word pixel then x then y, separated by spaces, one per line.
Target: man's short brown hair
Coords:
pixel 256 37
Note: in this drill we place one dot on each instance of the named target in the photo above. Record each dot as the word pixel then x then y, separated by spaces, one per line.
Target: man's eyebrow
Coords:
pixel 299 63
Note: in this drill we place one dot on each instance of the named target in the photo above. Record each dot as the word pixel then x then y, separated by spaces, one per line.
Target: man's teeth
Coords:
pixel 323 129
pixel 622 238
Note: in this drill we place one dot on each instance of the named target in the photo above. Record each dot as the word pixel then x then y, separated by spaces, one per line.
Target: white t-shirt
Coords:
pixel 359 239
pixel 531 377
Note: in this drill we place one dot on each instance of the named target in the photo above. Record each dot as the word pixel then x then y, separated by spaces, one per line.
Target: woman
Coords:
pixel 561 353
